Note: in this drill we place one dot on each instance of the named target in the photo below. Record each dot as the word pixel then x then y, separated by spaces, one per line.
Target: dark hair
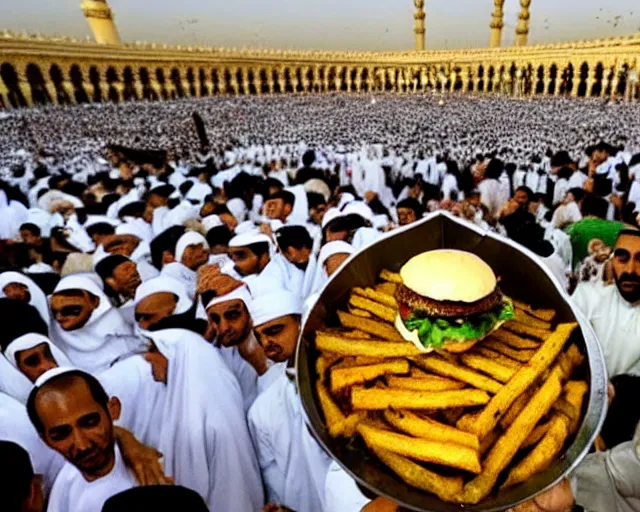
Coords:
pixel 220 209
pixel 315 199
pixel 526 190
pixel 561 159
pixel 412 204
pixel 165 241
pixel 293 236
pixel 286 196
pixel 273 182
pixel 101 228
pixel 32 228
pixel 594 205
pixel 169 498
pixel 308 158
pixel 565 173
pixel 63 380
pixel 494 169
pixel 623 415
pixel 135 209
pixel 259 248
pixel 219 235
pixel 107 266
pixel 18 319
pixel 16 475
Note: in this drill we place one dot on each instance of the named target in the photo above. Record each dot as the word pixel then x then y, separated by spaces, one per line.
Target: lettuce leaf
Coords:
pixel 433 332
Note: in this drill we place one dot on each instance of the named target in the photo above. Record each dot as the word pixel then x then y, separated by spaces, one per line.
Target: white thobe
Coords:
pixel 72 493
pixel 245 374
pixel 616 324
pixel 293 465
pixel 491 195
pixel 342 493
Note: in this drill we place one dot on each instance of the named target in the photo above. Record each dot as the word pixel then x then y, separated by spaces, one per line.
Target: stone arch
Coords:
pixel 112 80
pixel 481 79
pixel 203 88
pixel 263 81
pixel 596 90
pixel 342 76
pixel 365 79
pixel 253 83
pixel 553 79
pixel 94 79
pixel 77 81
pixel 623 73
pixel 490 74
pixel 191 83
pixel 36 81
pixel 10 77
pixel 57 78
pixel 162 83
pixel 215 81
pixel 583 80
pixel 145 81
pixel 539 83
pixel 567 80
pixel 129 92
pixel 288 84
pixel 176 80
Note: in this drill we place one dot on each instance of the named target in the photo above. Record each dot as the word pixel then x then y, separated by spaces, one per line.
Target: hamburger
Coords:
pixel 449 300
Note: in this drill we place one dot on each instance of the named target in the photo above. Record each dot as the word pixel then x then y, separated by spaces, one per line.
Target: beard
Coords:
pixel 302 266
pixel 628 293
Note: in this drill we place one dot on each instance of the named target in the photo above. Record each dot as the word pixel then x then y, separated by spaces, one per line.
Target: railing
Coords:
pixel 39 71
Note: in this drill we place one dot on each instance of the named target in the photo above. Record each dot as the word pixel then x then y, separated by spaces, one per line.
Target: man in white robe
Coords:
pixel 614 310
pixel 293 465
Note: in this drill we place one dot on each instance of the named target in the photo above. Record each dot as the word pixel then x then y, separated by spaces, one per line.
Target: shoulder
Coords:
pixel 266 408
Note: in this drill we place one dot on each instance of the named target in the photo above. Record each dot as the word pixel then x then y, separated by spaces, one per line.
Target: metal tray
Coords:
pixel 522 276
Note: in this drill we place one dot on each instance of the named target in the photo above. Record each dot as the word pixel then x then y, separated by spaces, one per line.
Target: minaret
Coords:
pixel 496 24
pixel 522 30
pixel 419 29
pixel 100 18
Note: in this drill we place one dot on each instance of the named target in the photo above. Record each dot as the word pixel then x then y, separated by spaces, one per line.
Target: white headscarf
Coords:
pixel 189 238
pixel 11 217
pixel 164 284
pixel 105 338
pixel 238 209
pixel 275 304
pixel 32 340
pixel 328 250
pixel 241 293
pixel 38 298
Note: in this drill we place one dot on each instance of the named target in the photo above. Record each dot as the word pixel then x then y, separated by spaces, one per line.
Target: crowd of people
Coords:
pixel 156 267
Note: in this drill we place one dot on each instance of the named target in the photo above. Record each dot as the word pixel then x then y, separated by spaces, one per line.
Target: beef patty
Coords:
pixel 446 308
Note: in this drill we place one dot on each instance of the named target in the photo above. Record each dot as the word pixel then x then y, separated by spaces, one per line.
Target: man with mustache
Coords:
pixel 614 311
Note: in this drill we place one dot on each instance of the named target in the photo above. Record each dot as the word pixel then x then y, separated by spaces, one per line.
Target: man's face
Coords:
pixel 78 428
pixel 35 361
pixel 276 209
pixel 156 200
pixel 72 311
pixel 246 261
pixel 121 244
pixel 626 267
pixel 194 256
pixel 154 308
pixel 334 261
pixel 229 220
pixel 406 216
pixel 317 214
pixel 279 337
pixel 521 197
pixel 298 257
pixel 29 238
pixel 207 209
pixel 17 291
pixel 231 321
pixel 125 279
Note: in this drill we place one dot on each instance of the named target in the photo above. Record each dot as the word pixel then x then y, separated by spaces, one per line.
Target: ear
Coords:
pixel 95 301
pixel 114 407
pixel 111 282
pixel 167 258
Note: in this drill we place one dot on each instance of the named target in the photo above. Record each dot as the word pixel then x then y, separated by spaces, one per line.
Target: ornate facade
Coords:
pixel 37 71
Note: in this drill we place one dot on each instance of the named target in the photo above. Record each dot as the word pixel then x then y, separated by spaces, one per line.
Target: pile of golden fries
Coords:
pixel 457 426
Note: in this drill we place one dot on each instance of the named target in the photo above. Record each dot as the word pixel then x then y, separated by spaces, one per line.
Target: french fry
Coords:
pixel 519 355
pixel 333 417
pixel 488 366
pixel 507 446
pixel 543 454
pixel 352 421
pixel 360 312
pixel 337 345
pixel 567 410
pixel 527 330
pixel 450 455
pixel 426 428
pixel 525 318
pixel 426 383
pixel 489 440
pixel 324 362
pixel 466 420
pixel 345 377
pixel 538 433
pixel 445 487
pixel 516 408
pixel 351 361
pixel 546 315
pixel 386 313
pixel 514 341
pixel 451 415
pixel 497 357
pixel 392 277
pixel 387 299
pixel 386 288
pixel 356 335
pixel 380 329
pixel 445 368
pixel 380 399
pixel 520 382
pixel 574 392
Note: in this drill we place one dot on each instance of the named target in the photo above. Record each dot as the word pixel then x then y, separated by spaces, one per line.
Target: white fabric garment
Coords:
pixel 32 340
pixel 249 238
pixel 341 492
pixel 44 220
pixel 328 250
pixel 290 460
pixel 180 214
pixel 577 180
pixel 558 267
pixel 12 217
pixel 616 324
pixel 136 227
pixel 491 196
pixel 16 427
pixel 275 304
pixel 182 274
pixel 104 339
pixel 77 235
pixel 71 492
pixel 205 439
pixel 238 209
pixel 309 277
pixel 363 237
pixel 565 215
pixel 164 284
pixel 210 222
pixel 188 239
pixel 450 187
pixel 198 192
pixel 38 298
pixel 300 211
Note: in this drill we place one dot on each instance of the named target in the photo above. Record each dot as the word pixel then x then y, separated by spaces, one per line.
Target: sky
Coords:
pixel 327 24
